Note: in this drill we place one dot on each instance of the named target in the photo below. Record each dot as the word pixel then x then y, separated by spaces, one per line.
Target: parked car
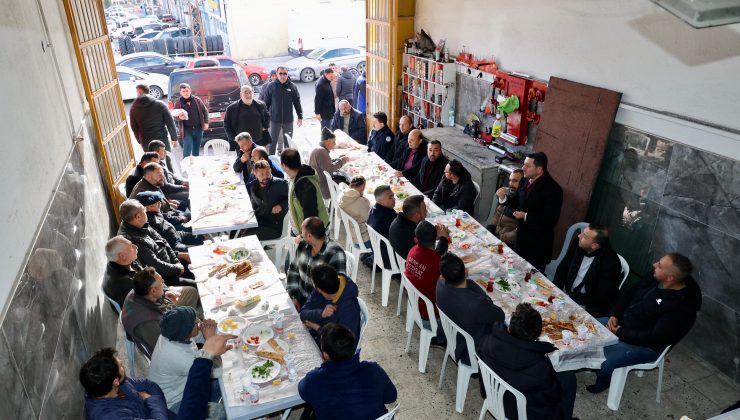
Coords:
pixel 308 67
pixel 256 74
pixel 151 62
pixel 170 19
pixel 218 87
pixel 138 30
pixel 128 78
pixel 174 33
pixel 147 36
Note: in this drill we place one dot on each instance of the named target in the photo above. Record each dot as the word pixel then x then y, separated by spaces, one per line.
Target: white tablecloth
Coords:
pixel 235 362
pixel 219 201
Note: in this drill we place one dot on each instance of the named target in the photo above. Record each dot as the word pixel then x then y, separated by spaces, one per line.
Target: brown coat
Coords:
pixel 505 226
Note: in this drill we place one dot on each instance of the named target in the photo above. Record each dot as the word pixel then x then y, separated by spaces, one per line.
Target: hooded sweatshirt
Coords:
pixel 525 366
pixel 151 120
pixel 347 313
pixel 128 404
pixel 357 207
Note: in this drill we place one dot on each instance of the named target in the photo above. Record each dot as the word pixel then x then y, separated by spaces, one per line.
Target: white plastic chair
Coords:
pixel 390 414
pixel 553 266
pixel 402 268
pixel 130 346
pixel 477 194
pixel 275 159
pixel 625 270
pixel 286 244
pixel 364 319
pixel 353 238
pixel 413 316
pixel 334 192
pixel 291 142
pixel 464 372
pixel 495 390
pixel 376 242
pixel 285 232
pixel 351 263
pixel 217 147
pixel 619 377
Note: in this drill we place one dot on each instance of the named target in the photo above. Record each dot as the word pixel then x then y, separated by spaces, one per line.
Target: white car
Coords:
pixel 128 78
pixel 147 36
pixel 309 67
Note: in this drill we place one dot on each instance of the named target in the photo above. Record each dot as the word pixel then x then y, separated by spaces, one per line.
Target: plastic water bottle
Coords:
pixel 451 118
pixel 254 394
pixel 510 268
pixel 292 375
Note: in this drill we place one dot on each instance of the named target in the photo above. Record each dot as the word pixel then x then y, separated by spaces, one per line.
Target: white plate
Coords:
pixel 274 372
pixel 229 255
pixel 241 323
pixel 264 332
pixel 267 347
pixel 457 234
pixel 513 286
pixel 268 279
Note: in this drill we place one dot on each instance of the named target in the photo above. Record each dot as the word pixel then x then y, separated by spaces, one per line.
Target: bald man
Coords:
pixel 400 141
pixel 408 164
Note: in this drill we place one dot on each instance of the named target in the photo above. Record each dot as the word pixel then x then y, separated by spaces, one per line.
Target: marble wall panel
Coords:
pixel 16 404
pixel 705 187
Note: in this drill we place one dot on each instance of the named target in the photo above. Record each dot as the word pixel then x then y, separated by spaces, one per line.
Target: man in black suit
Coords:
pixel 537 203
pixel 431 170
pixel 591 272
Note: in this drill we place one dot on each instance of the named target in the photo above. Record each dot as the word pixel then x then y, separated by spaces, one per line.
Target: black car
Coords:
pixel 218 87
pixel 151 62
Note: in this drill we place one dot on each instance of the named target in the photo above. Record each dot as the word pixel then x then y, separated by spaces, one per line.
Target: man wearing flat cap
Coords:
pixel 176 350
pixel 321 161
pixel 178 240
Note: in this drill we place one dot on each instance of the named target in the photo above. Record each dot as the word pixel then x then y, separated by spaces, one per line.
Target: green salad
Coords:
pixel 263 371
pixel 503 285
pixel 239 254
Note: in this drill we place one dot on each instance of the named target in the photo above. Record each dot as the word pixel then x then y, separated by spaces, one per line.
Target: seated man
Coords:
pixel 320 160
pixel 504 224
pixel 314 249
pixel 243 162
pixel 145 305
pixel 357 206
pixel 118 279
pixel 153 180
pixel 456 191
pixel 382 214
pixel 178 241
pixel 343 387
pixel 351 121
pixel 110 394
pixel 176 351
pixel 408 164
pixel 422 270
pixel 380 139
pixel 400 140
pixel 401 233
pixel 260 153
pixel 520 360
pixel 466 304
pixel 334 299
pixel 154 251
pixel 138 173
pixel 175 187
pixel 431 170
pixel 269 198
pixel 304 196
pixel 656 313
pixel 591 272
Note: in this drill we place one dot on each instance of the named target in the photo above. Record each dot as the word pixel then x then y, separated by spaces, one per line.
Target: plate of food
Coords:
pixel 257 334
pixel 401 195
pixel 237 254
pixel 467 259
pixel 505 286
pixel 457 234
pixel 261 281
pixel 273 349
pixel 554 328
pixel 221 249
pixel 535 301
pixel 264 371
pixel 232 325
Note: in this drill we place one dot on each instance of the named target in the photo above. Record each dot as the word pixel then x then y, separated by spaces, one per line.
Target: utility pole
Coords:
pixel 196 27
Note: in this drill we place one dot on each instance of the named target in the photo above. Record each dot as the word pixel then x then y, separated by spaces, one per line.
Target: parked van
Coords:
pixel 218 87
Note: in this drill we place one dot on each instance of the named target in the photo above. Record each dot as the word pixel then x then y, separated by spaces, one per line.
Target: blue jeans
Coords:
pixel 191 142
pixel 325 123
pixel 624 354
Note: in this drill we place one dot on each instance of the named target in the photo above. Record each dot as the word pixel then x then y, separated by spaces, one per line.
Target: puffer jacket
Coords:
pixel 151 120
pixel 154 251
pixel 345 86
pixel 280 99
pixel 460 196
pixel 357 207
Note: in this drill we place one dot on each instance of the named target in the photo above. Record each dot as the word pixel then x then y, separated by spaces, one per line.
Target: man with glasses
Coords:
pixel 281 96
pixel 591 272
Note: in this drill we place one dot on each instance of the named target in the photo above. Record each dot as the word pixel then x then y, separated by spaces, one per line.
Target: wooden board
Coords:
pixel 573 133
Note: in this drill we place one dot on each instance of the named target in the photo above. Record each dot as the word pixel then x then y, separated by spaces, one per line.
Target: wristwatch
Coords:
pixel 204 354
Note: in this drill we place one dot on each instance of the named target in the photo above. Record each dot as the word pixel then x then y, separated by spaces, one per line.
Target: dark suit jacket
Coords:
pixel 435 176
pixel 411 172
pixel 542 204
pixel 601 281
pixel 357 125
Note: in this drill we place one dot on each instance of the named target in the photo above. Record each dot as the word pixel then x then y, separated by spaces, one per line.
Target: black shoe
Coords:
pixel 601 385
pixel 440 344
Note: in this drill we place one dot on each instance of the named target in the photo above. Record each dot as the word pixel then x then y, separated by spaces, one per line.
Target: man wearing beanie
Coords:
pixel 175 352
pixel 321 161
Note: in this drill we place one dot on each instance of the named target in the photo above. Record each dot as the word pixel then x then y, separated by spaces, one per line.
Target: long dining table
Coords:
pixel 223 298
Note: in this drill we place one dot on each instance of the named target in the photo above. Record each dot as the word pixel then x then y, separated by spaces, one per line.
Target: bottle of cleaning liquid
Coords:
pixel 496 129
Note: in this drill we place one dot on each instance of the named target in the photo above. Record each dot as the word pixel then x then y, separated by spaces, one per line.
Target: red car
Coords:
pixel 256 74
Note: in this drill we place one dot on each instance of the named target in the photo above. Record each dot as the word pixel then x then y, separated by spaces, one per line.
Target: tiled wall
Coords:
pixel 56 317
pixel 658 196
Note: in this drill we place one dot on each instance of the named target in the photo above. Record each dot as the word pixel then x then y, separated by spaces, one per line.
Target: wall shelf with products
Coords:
pixel 428 91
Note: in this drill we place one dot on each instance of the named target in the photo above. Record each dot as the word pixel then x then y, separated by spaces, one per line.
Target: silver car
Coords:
pixel 309 67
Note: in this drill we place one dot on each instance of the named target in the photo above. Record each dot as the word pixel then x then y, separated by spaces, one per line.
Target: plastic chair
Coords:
pixel 401 267
pixel 353 239
pixel 390 414
pixel 275 159
pixel 291 142
pixel 625 270
pixel 413 316
pixel 495 390
pixel 477 194
pixel 217 146
pixel 376 240
pixel 285 245
pixel 364 319
pixel 130 346
pixel 464 372
pixel 285 232
pixel 334 203
pixel 351 263
pixel 619 377
pixel 550 269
